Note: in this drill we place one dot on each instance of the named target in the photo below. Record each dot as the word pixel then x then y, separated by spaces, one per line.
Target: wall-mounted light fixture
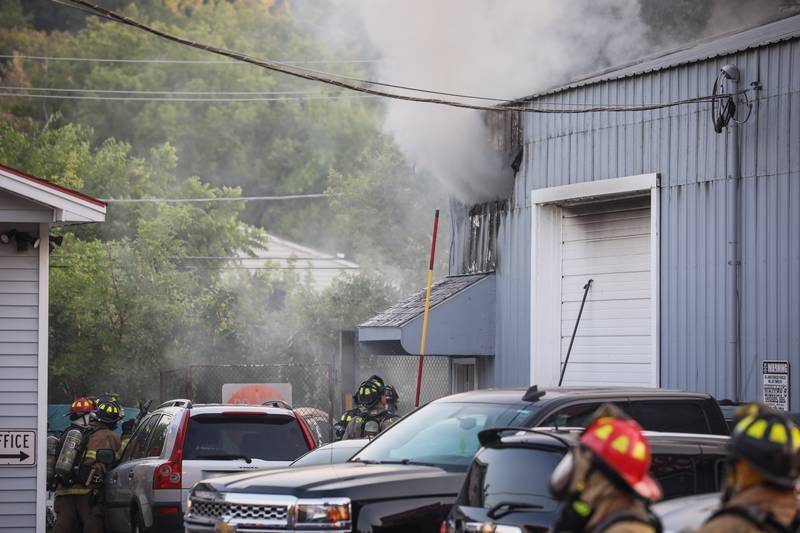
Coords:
pixel 55 242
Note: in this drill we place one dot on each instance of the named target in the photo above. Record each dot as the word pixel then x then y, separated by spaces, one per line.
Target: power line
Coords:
pixel 141 91
pixel 163 99
pixel 205 200
pixel 326 78
pixel 158 61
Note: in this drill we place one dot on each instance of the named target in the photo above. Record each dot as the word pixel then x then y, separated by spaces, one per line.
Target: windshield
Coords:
pixel 442 434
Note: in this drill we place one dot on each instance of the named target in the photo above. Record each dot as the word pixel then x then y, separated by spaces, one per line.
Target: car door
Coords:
pixel 119 481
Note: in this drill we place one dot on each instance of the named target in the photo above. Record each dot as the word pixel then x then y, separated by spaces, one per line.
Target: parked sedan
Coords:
pixel 408 477
pixel 506 487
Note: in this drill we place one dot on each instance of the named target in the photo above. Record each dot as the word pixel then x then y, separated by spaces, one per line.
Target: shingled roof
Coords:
pixel 412 307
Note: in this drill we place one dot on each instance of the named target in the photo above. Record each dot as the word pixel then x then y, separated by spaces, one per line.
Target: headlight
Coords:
pixel 323 513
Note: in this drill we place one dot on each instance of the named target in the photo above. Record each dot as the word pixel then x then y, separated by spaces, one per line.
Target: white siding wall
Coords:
pixel 19 381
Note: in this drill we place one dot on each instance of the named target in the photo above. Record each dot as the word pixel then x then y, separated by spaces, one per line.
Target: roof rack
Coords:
pixel 532 394
pixel 177 403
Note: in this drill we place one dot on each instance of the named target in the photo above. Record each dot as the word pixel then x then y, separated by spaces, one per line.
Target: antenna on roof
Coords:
pixel 532 394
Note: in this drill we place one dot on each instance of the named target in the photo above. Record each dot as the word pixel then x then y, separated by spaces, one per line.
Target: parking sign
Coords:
pixel 776 384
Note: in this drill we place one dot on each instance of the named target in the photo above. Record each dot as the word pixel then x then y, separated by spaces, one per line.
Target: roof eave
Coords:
pixel 68 207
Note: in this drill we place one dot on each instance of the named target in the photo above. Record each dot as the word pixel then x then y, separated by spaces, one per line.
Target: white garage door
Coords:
pixel 609 243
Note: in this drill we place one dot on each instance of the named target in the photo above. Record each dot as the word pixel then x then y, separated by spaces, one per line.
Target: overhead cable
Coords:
pixel 314 76
pixel 167 61
pixel 306 74
pixel 218 199
pixel 165 99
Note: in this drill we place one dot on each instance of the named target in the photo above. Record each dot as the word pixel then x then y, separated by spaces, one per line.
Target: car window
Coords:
pixel 444 434
pixel 327 455
pixel 677 416
pixel 516 475
pixel 678 475
pixel 226 436
pixel 572 415
pixel 159 435
pixel 136 446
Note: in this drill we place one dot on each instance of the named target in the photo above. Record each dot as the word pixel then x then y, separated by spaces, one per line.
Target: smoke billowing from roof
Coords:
pixel 508 49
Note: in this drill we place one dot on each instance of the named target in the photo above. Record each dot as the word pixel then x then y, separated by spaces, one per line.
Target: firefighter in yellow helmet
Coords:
pixel 763 468
pixel 78 501
pixel 603 481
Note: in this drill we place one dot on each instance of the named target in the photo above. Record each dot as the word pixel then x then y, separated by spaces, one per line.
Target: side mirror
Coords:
pixel 105 456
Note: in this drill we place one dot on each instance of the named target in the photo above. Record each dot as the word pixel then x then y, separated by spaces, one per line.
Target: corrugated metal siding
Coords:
pixel 19 286
pixel 679 144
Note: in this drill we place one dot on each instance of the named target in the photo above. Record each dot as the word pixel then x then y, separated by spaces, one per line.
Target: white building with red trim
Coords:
pixel 29 207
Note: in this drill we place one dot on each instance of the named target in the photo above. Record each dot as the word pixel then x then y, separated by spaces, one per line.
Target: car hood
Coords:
pixel 358 481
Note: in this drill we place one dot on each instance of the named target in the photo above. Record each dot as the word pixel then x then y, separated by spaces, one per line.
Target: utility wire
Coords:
pixel 205 200
pixel 162 99
pixel 141 91
pixel 184 61
pixel 325 78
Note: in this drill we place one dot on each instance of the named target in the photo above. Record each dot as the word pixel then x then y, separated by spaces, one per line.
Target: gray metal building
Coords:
pixel 692 238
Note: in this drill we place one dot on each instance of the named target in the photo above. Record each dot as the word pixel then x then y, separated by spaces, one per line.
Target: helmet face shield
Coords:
pixel 562 475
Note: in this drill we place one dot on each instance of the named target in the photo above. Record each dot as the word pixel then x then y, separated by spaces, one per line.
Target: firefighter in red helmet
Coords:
pixel 603 481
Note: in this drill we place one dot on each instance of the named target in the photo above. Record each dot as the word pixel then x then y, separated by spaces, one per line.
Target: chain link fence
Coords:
pixel 400 371
pixel 312 392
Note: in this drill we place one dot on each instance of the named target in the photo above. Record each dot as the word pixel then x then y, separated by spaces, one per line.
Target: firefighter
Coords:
pixel 78 499
pixel 80 411
pixel 603 480
pixel 762 470
pixel 376 413
pixel 341 425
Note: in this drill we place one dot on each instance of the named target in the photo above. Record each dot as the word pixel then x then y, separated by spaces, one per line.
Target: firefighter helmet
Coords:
pixel 620 446
pixel 81 406
pixel 368 393
pixel 108 411
pixel 769 442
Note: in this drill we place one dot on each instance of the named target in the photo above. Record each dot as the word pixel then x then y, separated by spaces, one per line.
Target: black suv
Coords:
pixel 409 476
pixel 506 486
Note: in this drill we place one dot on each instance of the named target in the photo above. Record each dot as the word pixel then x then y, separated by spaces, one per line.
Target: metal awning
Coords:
pixel 461 321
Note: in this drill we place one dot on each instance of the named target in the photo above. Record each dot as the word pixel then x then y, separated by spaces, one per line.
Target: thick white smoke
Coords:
pixel 509 49
pixel 497 48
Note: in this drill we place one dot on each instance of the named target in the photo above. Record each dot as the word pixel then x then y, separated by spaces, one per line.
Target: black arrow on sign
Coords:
pixel 21 456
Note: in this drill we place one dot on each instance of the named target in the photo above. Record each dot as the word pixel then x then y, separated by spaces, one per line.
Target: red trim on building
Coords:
pixel 53 186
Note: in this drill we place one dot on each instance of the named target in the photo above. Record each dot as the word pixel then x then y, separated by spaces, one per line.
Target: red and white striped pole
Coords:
pixel 427 307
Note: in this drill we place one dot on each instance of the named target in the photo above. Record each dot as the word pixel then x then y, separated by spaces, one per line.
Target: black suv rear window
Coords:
pixel 224 437
pixel 518 475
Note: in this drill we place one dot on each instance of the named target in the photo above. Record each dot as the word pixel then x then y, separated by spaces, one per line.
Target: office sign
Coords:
pixel 17 447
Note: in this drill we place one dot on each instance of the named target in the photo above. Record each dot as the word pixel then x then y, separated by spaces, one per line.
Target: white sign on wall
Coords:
pixel 776 384
pixel 17 447
pixel 256 393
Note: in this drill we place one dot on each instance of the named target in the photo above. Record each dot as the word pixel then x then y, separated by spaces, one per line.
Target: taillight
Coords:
pixel 171 509
pixel 169 475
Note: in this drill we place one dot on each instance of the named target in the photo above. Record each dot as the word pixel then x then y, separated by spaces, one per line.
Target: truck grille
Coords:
pixel 203 509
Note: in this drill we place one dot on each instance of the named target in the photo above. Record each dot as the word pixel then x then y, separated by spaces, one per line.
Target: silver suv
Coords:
pixel 179 444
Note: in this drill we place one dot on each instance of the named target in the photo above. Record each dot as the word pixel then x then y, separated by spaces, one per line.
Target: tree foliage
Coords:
pixel 142 291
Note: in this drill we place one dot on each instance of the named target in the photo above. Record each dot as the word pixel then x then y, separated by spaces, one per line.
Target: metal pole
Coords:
pixel 575 330
pixel 427 308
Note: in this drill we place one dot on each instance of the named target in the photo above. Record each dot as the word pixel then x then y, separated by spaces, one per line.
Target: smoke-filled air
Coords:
pixel 510 49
